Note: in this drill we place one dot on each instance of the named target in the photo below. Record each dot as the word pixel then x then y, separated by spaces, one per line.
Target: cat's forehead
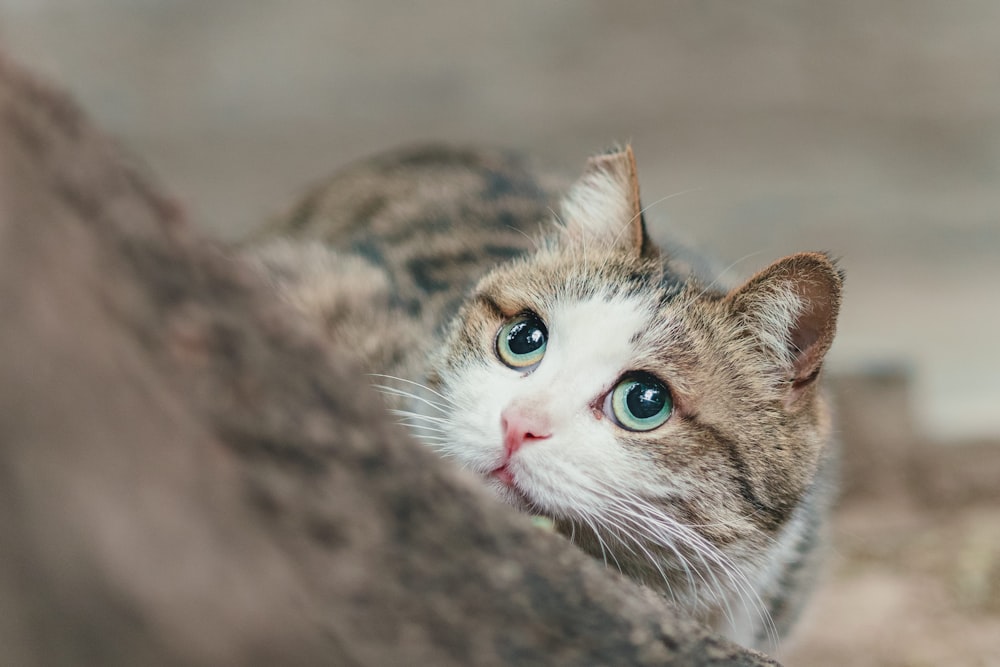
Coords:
pixel 626 316
pixel 623 300
pixel 568 276
pixel 557 274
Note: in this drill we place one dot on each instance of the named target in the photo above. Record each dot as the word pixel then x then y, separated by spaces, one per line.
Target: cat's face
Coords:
pixel 584 386
pixel 556 384
pixel 660 422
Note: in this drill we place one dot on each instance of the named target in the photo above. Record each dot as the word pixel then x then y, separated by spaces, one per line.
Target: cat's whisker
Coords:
pixel 393 391
pixel 645 208
pixel 630 517
pixel 738 524
pixel 683 533
pixel 534 241
pixel 705 572
pixel 438 449
pixel 556 217
pixel 715 282
pixel 741 583
pixel 622 518
pixel 422 422
pixel 424 437
pixel 654 518
pixel 432 428
pixel 426 432
pixel 605 548
pixel 628 226
pixel 623 530
pixel 414 383
pixel 671 542
pixel 417 415
pixel 720 274
pixel 431 436
pixel 431 433
pixel 604 554
pixel 654 533
pixel 613 531
pixel 707 552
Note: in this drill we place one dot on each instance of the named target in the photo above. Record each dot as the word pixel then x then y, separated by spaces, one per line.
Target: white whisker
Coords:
pixel 417 415
pixel 405 394
pixel 416 384
pixel 416 429
pixel 715 282
pixel 534 241
pixel 643 210
pixel 628 516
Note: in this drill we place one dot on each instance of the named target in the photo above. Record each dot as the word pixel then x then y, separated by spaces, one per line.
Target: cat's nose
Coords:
pixel 521 425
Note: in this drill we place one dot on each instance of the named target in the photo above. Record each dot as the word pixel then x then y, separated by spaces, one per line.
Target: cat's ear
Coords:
pixel 791 309
pixel 604 204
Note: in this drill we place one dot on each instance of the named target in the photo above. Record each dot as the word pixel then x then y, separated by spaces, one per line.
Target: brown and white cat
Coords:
pixel 672 428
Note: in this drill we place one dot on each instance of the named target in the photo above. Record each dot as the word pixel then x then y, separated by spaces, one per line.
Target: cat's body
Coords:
pixel 668 426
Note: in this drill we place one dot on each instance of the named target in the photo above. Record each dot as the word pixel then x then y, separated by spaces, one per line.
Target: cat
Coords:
pixel 672 428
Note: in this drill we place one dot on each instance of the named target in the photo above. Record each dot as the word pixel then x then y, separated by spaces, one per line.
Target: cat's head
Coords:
pixel 589 384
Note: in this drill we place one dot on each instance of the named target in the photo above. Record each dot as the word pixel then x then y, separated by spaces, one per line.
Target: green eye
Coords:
pixel 641 403
pixel 521 342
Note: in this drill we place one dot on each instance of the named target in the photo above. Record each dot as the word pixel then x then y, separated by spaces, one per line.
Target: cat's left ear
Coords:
pixel 604 204
pixel 791 309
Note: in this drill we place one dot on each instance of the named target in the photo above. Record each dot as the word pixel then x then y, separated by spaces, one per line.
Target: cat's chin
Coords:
pixel 507 490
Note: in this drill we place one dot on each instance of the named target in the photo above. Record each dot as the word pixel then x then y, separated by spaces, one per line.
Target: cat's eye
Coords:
pixel 521 341
pixel 641 402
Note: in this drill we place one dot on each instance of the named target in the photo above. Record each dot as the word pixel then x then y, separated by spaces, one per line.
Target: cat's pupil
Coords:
pixel 525 337
pixel 644 400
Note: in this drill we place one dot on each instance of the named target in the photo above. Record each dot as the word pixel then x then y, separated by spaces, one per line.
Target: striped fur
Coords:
pixel 415 260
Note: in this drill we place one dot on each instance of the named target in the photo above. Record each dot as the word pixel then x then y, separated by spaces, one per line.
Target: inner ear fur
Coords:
pixel 605 202
pixel 792 307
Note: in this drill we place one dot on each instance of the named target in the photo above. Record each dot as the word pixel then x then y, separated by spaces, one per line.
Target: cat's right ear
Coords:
pixel 604 204
pixel 791 309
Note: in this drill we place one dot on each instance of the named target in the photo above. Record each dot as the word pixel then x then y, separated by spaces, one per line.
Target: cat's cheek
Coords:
pixel 476 448
pixel 476 441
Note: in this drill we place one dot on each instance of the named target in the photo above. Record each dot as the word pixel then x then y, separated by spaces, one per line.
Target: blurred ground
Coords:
pixel 871 130
pixel 914 571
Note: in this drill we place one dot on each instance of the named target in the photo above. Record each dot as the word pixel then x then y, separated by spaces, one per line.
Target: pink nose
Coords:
pixel 521 425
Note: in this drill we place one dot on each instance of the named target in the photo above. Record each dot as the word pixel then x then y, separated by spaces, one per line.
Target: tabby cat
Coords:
pixel 672 428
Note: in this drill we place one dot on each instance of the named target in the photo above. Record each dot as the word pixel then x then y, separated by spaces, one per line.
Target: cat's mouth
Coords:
pixel 509 489
pixel 504 476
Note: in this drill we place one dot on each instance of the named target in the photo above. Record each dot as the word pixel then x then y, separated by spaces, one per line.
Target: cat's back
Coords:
pixel 432 217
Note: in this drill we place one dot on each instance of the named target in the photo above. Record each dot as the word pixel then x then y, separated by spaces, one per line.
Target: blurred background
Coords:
pixel 868 129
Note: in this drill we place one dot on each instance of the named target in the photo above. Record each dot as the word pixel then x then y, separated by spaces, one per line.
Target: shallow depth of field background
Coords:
pixel 871 130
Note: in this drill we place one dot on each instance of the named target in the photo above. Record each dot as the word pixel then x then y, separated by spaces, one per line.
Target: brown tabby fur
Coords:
pixel 413 260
